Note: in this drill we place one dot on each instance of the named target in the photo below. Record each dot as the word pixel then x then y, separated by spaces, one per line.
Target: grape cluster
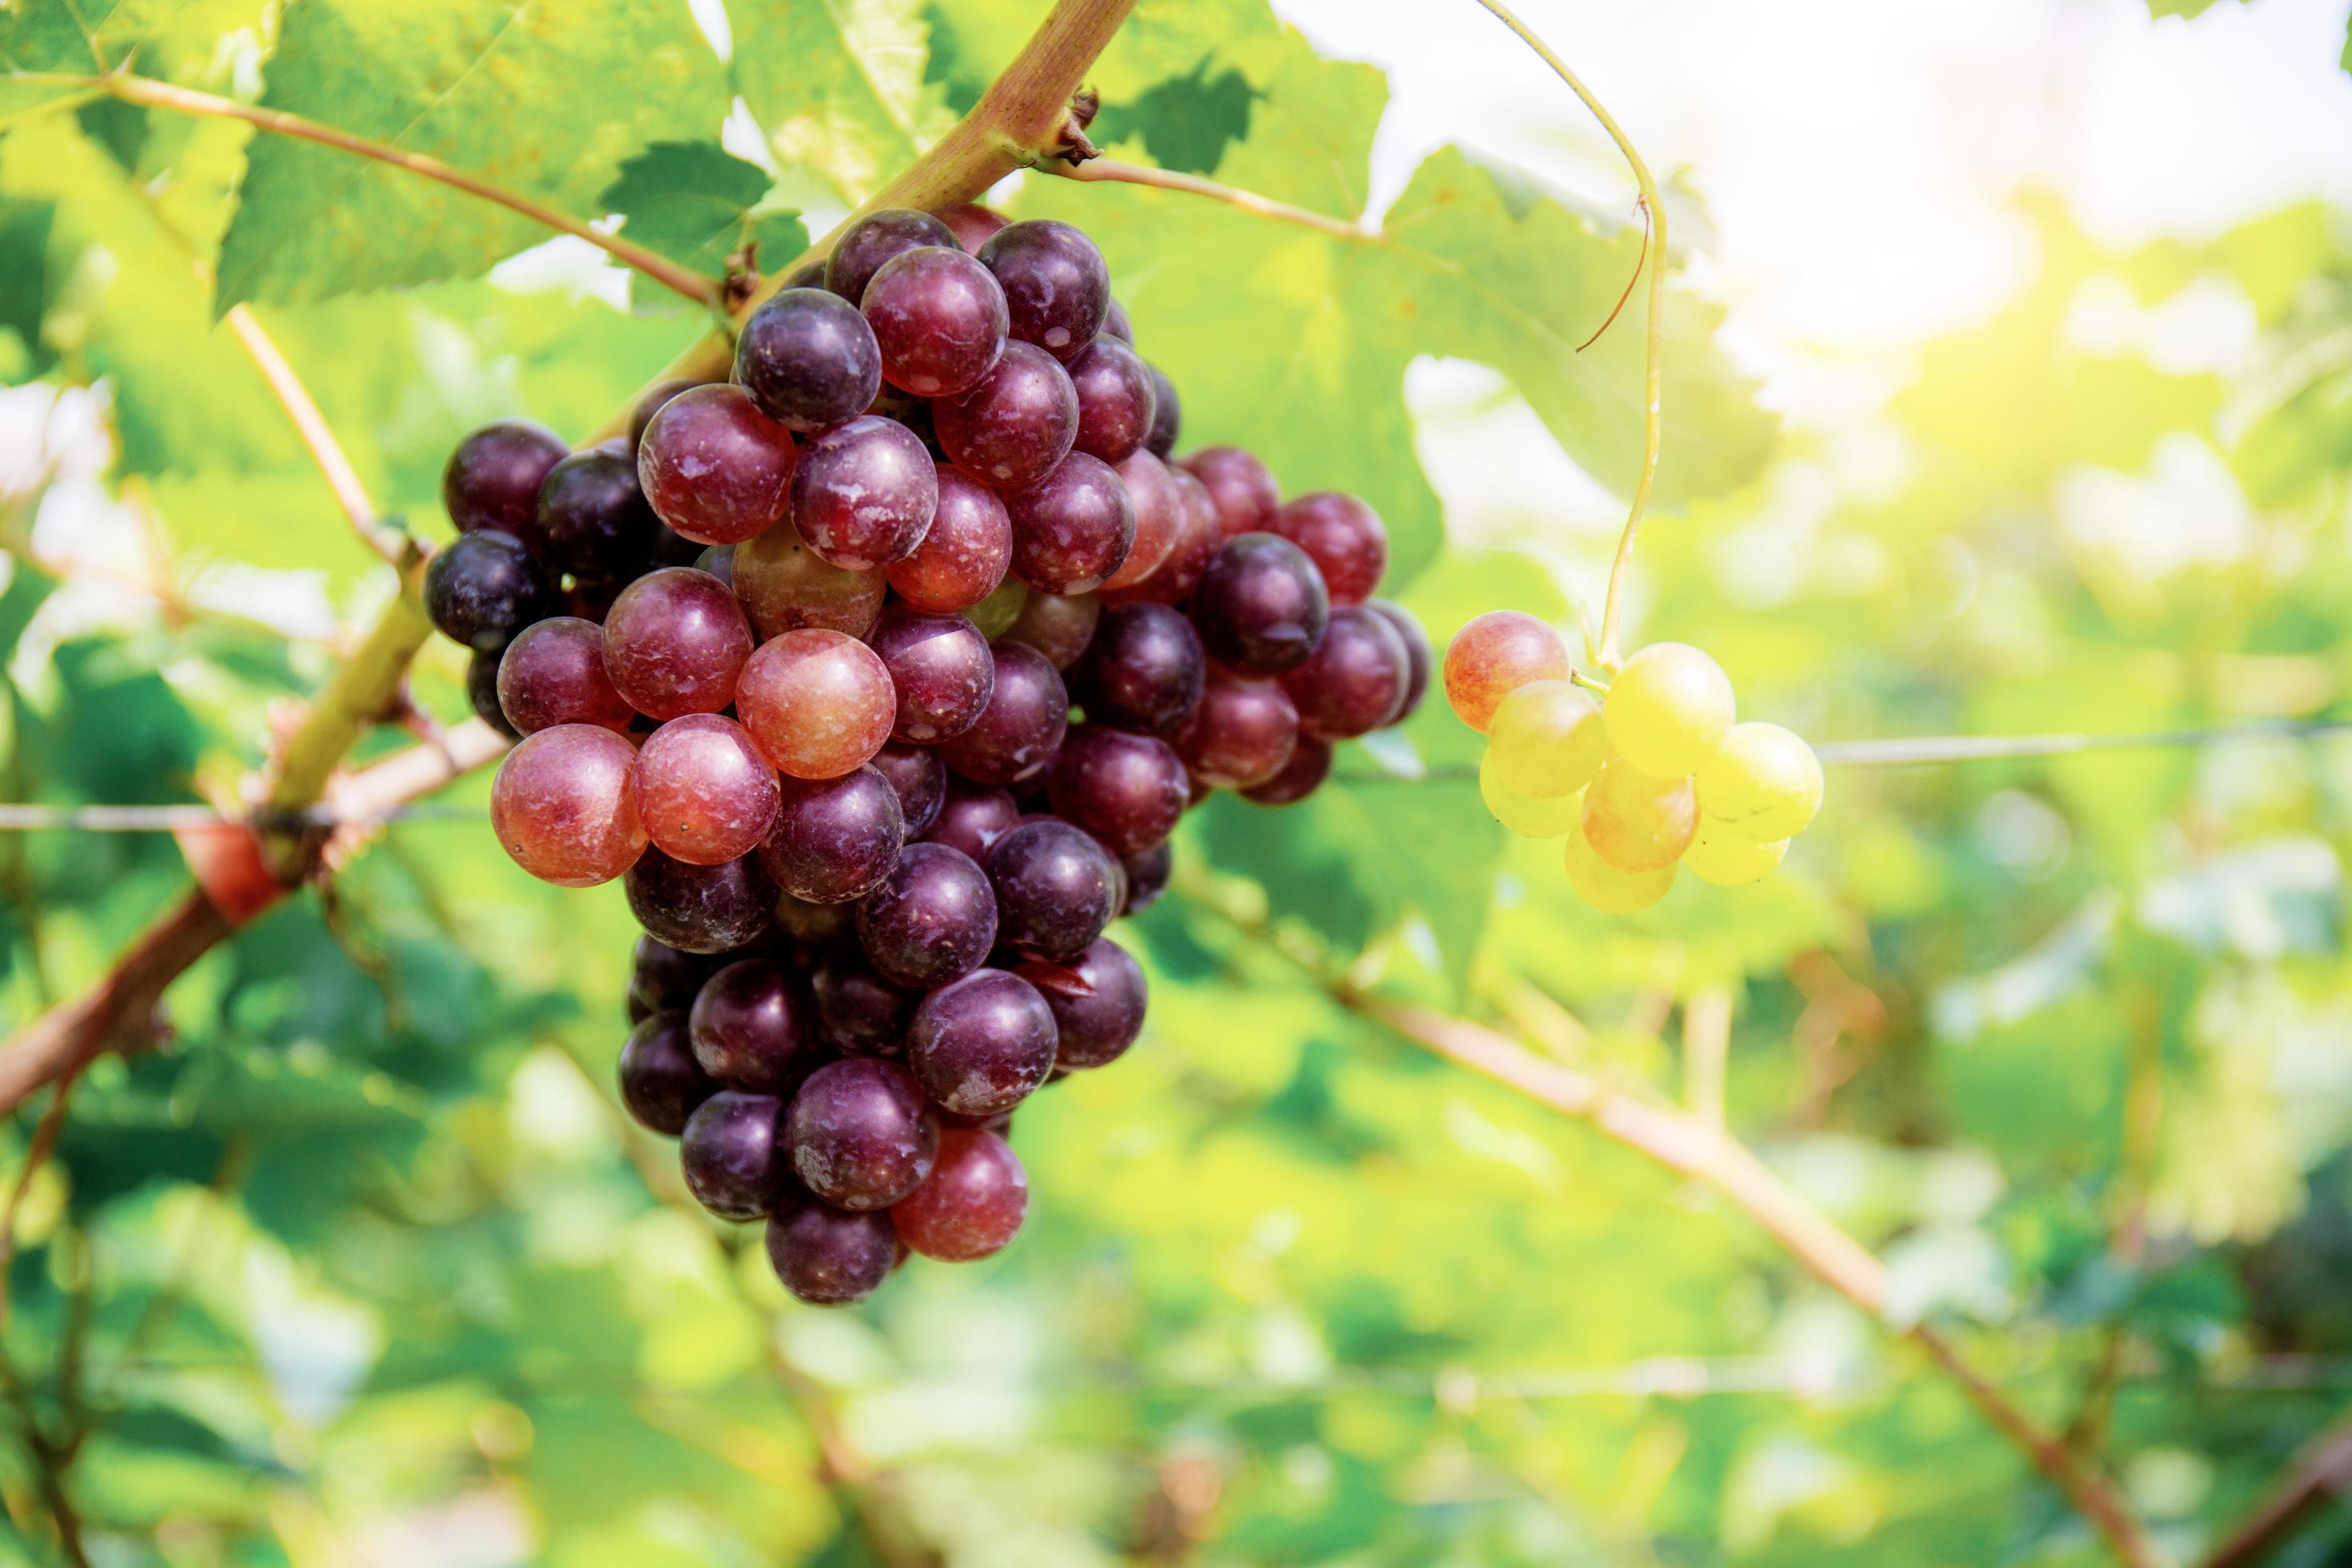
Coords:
pixel 880 674
pixel 1653 775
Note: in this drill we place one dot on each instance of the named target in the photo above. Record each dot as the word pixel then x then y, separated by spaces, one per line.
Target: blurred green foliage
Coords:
pixel 368 1267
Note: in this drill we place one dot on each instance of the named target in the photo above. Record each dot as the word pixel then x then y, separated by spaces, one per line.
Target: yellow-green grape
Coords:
pixel 1762 783
pixel 1529 817
pixel 1547 739
pixel 1609 890
pixel 1719 854
pixel 1668 708
pixel 1637 821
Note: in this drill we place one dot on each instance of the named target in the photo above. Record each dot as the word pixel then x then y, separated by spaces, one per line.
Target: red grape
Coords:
pixel 964 555
pixel 971 224
pixel 650 403
pixel 1159 518
pixel 1147 877
pixel 1344 538
pixel 554 673
pixel 818 703
pixel 1126 790
pixel 1354 680
pixel 1015 423
pixel 939 318
pixel 1073 529
pixel 704 791
pixel 983 1043
pixel 715 467
pixel 661 1083
pixel 972 1205
pixel 861 1135
pixel 1493 656
pixel 808 359
pixel 828 1256
pixel 1144 671
pixel 932 920
pixel 871 242
pixel 1309 766
pixel 1261 606
pixel 785 586
pixel 1241 733
pixel 1021 729
pixel 973 819
pixel 732 1154
pixel 675 642
pixel 1243 487
pixel 1167 414
pixel 1056 284
pixel 1056 889
pixel 835 839
pixel 939 667
pixel 920 779
pixel 492 479
pixel 1097 1000
pixel 562 807
pixel 864 493
pixel 1196 538
pixel 1419 661
pixel 1114 394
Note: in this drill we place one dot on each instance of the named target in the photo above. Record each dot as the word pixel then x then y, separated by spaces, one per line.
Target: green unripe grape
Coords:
pixel 995 614
pixel 1720 854
pixel 1608 888
pixel 1547 739
pixel 1637 821
pixel 1762 783
pixel 1529 817
pixel 1668 708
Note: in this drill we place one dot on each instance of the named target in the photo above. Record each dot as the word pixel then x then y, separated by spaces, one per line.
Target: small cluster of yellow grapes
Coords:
pixel 1653 775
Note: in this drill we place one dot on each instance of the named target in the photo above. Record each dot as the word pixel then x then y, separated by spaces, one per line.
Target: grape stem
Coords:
pixel 1111 171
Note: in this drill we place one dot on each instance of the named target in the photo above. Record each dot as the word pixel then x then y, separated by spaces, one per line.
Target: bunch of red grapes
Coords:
pixel 880 674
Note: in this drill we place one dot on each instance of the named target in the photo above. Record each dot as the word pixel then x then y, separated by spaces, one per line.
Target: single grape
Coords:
pixel 973 819
pixel 1493 656
pixel 1144 671
pixel 965 554
pixel 972 1205
pixel 1302 775
pixel 1147 877
pixel 1159 519
pixel 1763 782
pixel 649 403
pixel 785 586
pixel 1117 325
pixel 1354 680
pixel 493 477
pixel 1668 708
pixel 808 359
pixel 807 274
pixel 939 318
pixel 704 791
pixel 1015 423
pixel 860 1133
pixel 1529 817
pixel 1636 820
pixel 994 616
pixel 932 920
pixel 1196 539
pixel 940 668
pixel 828 1256
pixel 1607 888
pixel 835 839
pixel 562 807
pixel 1260 607
pixel 983 1043
pixel 876 239
pixel 482 690
pixel 1073 529
pixel 1343 536
pixel 732 1154
pixel 971 224
pixel 1021 730
pixel 1722 854
pixel 752 1027
pixel 1166 414
pixel 1241 733
pixel 661 1083
pixel 666 978
pixel 593 521
pixel 818 703
pixel 675 642
pixel 1126 790
pixel 1419 661
pixel 1242 487
pixel 1056 889
pixel 484 587
pixel 1547 739
pixel 863 1014
pixel 700 909
pixel 715 467
pixel 1059 626
pixel 1115 399
pixel 1097 1000
pixel 864 493
pixel 1056 284
pixel 920 781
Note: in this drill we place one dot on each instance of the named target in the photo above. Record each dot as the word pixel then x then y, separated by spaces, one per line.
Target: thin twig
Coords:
pixel 2323 1476
pixel 1641 259
pixel 1110 171
pixel 36 1152
pixel 319 438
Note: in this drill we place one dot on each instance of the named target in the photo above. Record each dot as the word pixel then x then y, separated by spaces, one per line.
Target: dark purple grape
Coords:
pixel 1419 658
pixel 674 643
pixel 667 979
pixel 732 1154
pixel 1243 487
pixel 1056 285
pixel 1261 606
pixel 1343 536
pixel 661 1083
pixel 493 477
pixel 808 274
pixel 1147 877
pixel 861 1135
pixel 828 1256
pixel 1059 626
pixel 863 1014
pixel 1021 729
pixel 808 359
pixel 1167 414
pixel 593 521
pixel 1056 889
pixel 964 556
pixel 705 794
pixel 939 318
pixel 554 673
pixel 982 1045
pixel 482 688
pixel 484 587
pixel 972 1205
pixel 931 921
pixel 700 909
pixel 835 839
pixel 753 1027
pixel 864 493
pixel 940 668
pixel 1097 1000
pixel 1126 790
pixel 920 779
pixel 715 467
pixel 1073 529
pixel 1241 734
pixel 971 224
pixel 1015 423
pixel 972 819
pixel 1354 682
pixel 650 403
pixel 1309 766
pixel 867 246
pixel 1115 399
pixel 1144 671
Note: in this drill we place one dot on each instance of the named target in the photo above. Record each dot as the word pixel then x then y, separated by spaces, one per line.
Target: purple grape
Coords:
pixel 874 241
pixel 482 689
pixel 715 467
pixel 1056 889
pixel 1159 519
pixel 1309 766
pixel 1261 606
pixel 675 641
pixel 661 1083
pixel 1147 877
pixel 931 921
pixel 972 1203
pixel 835 839
pixel 1117 325
pixel 939 318
pixel 1021 729
pixel 1419 658
pixel 732 1154
pixel 807 274
pixel 666 978
pixel 1241 733
pixel 554 673
pixel 1242 486
pixel 973 819
pixel 828 1256
pixel 864 493
pixel 940 668
pixel 700 909
pixel 484 587
pixel 964 555
pixel 863 1014
pixel 593 521
pixel 1073 529
pixel 1126 790
pixel 1015 423
pixel 1097 1001
pixel 752 1027
pixel 1354 682
pixel 1059 626
pixel 971 223
pixel 982 1045
pixel 493 477
pixel 861 1135
pixel 1056 285
pixel 1116 405
pixel 1144 671
pixel 920 779
pixel 808 359
pixel 1344 538
pixel 1167 414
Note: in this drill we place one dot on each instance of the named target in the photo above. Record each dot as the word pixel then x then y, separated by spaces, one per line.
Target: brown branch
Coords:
pixel 2323 1476
pixel 319 439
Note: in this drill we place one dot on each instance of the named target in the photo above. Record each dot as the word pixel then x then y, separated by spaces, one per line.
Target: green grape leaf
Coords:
pixel 691 201
pixel 509 90
pixel 839 90
pixel 25 228
pixel 46 43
